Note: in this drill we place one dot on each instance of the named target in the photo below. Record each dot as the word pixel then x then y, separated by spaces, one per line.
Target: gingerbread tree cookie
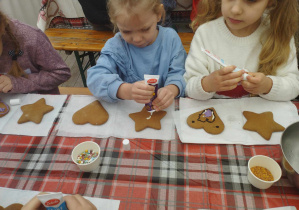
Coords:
pixel 145 119
pixel 262 123
pixel 207 119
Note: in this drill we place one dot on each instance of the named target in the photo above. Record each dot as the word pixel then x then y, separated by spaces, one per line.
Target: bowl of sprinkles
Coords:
pixel 86 156
pixel 263 171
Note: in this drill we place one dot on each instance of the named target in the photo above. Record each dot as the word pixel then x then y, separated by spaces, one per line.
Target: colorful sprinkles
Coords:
pixel 87 156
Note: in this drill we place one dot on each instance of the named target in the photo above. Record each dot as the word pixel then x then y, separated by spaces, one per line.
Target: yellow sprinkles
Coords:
pixel 262 173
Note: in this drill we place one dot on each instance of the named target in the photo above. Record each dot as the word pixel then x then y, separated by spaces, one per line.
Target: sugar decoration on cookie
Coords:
pixel 207 116
pixel 207 119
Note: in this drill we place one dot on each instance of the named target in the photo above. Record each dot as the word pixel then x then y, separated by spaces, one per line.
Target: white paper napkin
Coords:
pixel 118 125
pixel 230 112
pixel 66 126
pixel 11 126
pixel 9 196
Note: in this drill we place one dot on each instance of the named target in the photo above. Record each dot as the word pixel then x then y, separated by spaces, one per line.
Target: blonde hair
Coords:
pixel 283 18
pixel 115 7
pixel 15 69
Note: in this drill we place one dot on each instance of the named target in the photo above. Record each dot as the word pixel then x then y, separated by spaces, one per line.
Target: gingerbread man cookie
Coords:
pixel 207 119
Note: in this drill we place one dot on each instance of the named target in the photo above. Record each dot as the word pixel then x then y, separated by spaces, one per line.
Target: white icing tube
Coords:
pixel 53 201
pixel 221 62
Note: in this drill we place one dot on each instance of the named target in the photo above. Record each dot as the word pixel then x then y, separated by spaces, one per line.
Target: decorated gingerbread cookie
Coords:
pixel 207 119
pixel 35 112
pixel 145 119
pixel 94 113
pixel 262 123
pixel 4 109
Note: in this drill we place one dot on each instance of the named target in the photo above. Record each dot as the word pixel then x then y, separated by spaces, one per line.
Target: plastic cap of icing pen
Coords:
pixel 14 102
pixel 126 144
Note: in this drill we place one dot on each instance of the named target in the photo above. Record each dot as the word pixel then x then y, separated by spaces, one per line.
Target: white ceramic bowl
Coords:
pixel 87 145
pixel 268 163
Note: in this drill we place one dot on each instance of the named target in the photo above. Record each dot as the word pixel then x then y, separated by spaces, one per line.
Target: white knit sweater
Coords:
pixel 242 52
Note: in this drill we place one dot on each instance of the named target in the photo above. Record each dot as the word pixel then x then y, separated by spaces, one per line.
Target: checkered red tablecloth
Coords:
pixel 154 174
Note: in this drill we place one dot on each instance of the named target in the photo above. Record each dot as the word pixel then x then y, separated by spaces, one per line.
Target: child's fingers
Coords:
pixel 7 88
pixel 226 70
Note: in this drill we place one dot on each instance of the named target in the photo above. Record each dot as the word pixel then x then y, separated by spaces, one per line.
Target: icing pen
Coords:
pixel 153 81
pixel 221 62
pixel 53 201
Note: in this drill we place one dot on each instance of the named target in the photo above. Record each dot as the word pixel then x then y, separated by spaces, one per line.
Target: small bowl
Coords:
pixel 87 145
pixel 268 163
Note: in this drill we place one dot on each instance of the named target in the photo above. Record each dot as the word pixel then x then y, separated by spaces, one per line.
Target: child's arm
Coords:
pixel 284 86
pixel 48 70
pixel 103 79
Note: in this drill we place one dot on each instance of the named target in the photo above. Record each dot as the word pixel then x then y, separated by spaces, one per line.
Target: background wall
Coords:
pixel 23 10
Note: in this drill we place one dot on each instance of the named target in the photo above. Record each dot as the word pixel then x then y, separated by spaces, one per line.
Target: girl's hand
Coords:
pixel 5 84
pixel 141 92
pixel 222 80
pixel 77 202
pixel 257 83
pixel 165 97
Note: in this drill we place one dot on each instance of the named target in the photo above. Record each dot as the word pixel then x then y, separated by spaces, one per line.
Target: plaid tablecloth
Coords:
pixel 154 174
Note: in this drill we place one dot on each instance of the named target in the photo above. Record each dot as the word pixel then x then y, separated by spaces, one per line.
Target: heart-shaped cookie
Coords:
pixel 207 119
pixel 94 113
pixel 4 109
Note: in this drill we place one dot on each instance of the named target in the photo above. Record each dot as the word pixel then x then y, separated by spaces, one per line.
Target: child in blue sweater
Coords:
pixel 140 47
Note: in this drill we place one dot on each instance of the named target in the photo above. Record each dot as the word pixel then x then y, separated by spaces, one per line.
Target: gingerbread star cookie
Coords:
pixel 14 206
pixel 262 123
pixel 145 119
pixel 4 109
pixel 207 119
pixel 35 112
pixel 94 113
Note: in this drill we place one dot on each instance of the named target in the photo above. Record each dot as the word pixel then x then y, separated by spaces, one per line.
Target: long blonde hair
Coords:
pixel 15 69
pixel 283 18
pixel 116 6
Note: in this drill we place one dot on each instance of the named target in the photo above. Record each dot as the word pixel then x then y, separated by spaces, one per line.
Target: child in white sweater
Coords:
pixel 254 35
